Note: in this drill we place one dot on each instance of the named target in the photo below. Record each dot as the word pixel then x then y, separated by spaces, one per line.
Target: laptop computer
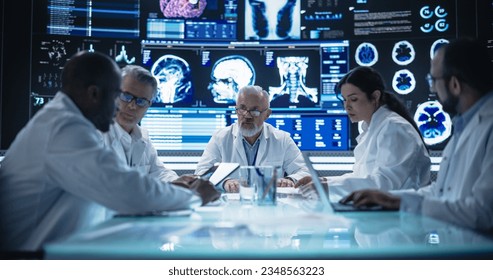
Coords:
pixel 324 195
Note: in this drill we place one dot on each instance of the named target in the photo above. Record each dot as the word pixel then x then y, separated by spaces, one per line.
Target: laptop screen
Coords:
pixel 324 195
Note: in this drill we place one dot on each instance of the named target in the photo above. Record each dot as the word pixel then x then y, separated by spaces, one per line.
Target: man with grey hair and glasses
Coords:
pixel 130 141
pixel 251 141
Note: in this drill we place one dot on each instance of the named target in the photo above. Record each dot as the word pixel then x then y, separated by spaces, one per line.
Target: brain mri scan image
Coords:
pixel 434 124
pixel 174 79
pixel 228 75
pixel 403 53
pixel 366 54
pixel 292 72
pixel 272 20
pixel 403 82
pixel 436 45
pixel 182 8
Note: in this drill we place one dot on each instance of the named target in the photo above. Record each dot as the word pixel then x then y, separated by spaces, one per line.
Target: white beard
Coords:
pixel 250 132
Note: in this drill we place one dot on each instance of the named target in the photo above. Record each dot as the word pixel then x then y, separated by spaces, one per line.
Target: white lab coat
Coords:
pixel 276 148
pixel 463 191
pixel 390 155
pixel 57 178
pixel 142 156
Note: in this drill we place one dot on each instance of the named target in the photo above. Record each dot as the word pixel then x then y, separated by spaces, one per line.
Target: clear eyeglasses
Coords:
pixel 431 80
pixel 253 113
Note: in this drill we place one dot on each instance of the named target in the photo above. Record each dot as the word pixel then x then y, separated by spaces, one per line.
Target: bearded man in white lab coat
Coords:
pixel 251 141
pixel 461 75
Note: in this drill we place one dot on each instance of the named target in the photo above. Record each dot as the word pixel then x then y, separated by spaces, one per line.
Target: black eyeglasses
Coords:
pixel 431 80
pixel 253 113
pixel 139 101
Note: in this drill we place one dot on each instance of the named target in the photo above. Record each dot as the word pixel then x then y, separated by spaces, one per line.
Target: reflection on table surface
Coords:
pixel 294 229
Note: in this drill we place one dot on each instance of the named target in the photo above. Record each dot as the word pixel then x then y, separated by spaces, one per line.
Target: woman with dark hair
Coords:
pixel 390 153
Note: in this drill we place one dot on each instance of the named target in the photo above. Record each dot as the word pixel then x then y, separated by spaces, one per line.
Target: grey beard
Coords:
pixel 250 132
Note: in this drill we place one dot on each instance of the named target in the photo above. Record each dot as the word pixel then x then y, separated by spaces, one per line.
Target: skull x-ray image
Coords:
pixel 174 79
pixel 272 20
pixel 228 75
pixel 182 8
pixel 292 72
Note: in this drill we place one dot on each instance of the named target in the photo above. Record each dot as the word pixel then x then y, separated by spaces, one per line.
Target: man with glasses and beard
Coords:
pixel 253 142
pixel 461 75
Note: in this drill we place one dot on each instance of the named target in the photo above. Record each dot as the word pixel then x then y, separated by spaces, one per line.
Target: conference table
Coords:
pixel 294 228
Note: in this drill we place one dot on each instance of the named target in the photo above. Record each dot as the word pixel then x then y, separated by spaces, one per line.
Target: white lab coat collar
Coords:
pixel 376 119
pixel 484 113
pixel 138 145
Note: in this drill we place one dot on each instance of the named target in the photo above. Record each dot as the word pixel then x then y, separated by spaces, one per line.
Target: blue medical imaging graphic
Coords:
pixel 174 79
pixel 434 124
pixel 123 57
pixel 366 54
pixel 403 82
pixel 436 45
pixel 403 53
pixel 440 25
pixel 228 75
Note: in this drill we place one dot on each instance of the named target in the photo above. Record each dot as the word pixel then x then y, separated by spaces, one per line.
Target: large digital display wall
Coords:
pixel 203 51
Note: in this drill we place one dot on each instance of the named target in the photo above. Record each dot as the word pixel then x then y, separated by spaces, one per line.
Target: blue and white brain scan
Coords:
pixel 434 124
pixel 366 54
pixel 436 45
pixel 292 72
pixel 403 53
pixel 272 20
pixel 403 82
pixel 228 75
pixel 174 79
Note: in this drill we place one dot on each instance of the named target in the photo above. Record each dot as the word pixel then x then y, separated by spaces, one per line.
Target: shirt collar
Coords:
pixel 122 133
pixel 256 143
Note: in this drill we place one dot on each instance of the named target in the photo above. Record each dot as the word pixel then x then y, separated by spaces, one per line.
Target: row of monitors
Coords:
pixel 245 20
pixel 191 130
pixel 299 78
pixel 209 76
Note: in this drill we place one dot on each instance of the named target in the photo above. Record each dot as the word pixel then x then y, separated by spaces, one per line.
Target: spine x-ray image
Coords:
pixel 292 72
pixel 272 19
